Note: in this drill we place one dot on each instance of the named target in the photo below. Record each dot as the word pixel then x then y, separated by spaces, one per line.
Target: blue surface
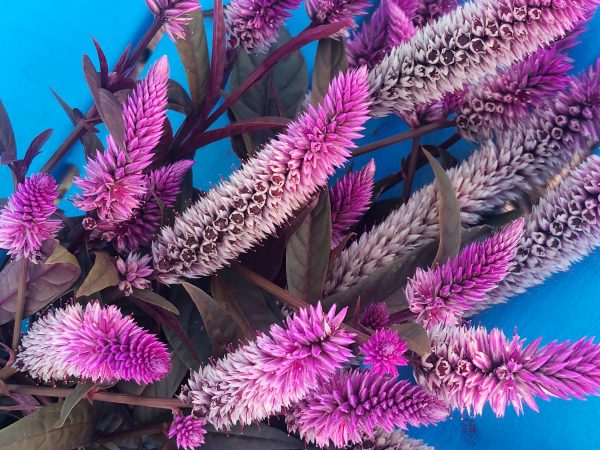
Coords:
pixel 42 47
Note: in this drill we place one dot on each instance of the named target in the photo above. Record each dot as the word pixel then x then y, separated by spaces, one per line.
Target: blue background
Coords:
pixel 42 46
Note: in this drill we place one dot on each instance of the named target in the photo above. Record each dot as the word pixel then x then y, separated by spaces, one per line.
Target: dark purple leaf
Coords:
pixel 329 62
pixel 103 274
pixel 217 64
pixel 92 77
pixel 151 297
pixel 111 113
pixel 21 166
pixel 103 63
pixel 8 147
pixel 252 437
pixel 179 100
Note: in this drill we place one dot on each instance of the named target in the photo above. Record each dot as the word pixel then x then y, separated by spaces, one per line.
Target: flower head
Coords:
pixel 375 316
pixel 268 189
pixel 188 431
pixel 93 343
pixel 469 367
pixel 396 440
pixel 443 294
pixel 133 272
pixel 355 404
pixel 25 221
pixel 331 11
pixel 175 14
pixel 350 197
pixel 254 24
pixel 384 351
pixel 426 11
pixel 263 377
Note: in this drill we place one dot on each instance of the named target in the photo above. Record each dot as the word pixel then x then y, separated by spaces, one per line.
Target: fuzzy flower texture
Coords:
pixel 384 351
pixel 25 221
pixel 94 343
pixel 188 432
pixel 134 271
pixel 175 15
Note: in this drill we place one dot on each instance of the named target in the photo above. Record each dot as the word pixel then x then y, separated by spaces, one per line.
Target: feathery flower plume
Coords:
pixel 266 191
pixel 254 24
pixel 133 272
pixel 465 45
pixel 429 10
pixel 188 432
pixel 440 296
pixel 384 351
pixel 263 377
pixel 94 343
pixel 164 184
pixel 375 316
pixel 396 440
pixel 331 11
pixel 469 367
pixel 114 184
pixel 498 172
pixel 501 101
pixel 25 221
pixel 563 228
pixel 350 197
pixel 352 405
pixel 174 13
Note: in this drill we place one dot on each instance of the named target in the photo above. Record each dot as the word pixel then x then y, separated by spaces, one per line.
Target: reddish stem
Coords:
pixel 412 168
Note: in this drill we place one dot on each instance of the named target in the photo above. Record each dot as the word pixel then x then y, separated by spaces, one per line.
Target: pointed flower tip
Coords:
pixel 384 352
pixel 188 432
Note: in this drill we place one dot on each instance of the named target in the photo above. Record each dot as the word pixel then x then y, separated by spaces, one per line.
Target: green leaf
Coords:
pixel 252 437
pixel 153 298
pixel 329 62
pixel 307 252
pixel 193 52
pixel 415 337
pixel 449 212
pixel 280 93
pixel 36 431
pixel 8 147
pixel 46 281
pixel 221 328
pixel 71 401
pixel 102 275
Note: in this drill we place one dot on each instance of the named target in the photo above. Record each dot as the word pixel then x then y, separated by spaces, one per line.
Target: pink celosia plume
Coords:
pixel 268 189
pixel 133 272
pixel 441 295
pixel 188 432
pixel 426 11
pixel 262 378
pixel 375 316
pixel 331 11
pixel 353 405
pixel 469 367
pixel 25 221
pixel 92 342
pixel 384 351
pixel 174 14
pixel 350 197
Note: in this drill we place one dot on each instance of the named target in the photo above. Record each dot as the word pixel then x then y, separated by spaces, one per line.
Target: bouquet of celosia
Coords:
pixel 274 309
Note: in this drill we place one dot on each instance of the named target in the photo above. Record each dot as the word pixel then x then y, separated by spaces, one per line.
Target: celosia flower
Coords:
pixel 133 272
pixel 188 432
pixel 353 404
pixel 331 11
pixel 375 316
pixel 427 11
pixel 114 184
pixel 442 295
pixel 395 440
pixel 499 171
pixel 254 24
pixel 467 44
pixel 563 228
pixel 350 197
pixel 25 221
pixel 174 13
pixel 163 188
pixel 384 351
pixel 262 378
pixel 469 367
pixel 269 188
pixel 93 343
pixel 501 101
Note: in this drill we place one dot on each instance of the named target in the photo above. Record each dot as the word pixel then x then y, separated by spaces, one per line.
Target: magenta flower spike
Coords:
pixel 268 189
pixel 331 11
pixel 443 294
pixel 174 13
pixel 353 404
pixel 163 187
pixel 375 316
pixel 469 367
pixel 188 432
pixel 134 272
pixel 92 342
pixel 350 198
pixel 427 11
pixel 254 24
pixel 502 101
pixel 384 351
pixel 465 45
pixel 262 378
pixel 396 440
pixel 25 221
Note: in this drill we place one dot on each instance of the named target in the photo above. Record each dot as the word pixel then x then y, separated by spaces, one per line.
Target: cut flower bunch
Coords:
pixel 276 308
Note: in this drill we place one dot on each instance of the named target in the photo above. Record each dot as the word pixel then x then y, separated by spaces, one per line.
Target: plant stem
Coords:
pixel 417 132
pixel 110 397
pixel 402 316
pixel 450 141
pixel 21 291
pixel 412 168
